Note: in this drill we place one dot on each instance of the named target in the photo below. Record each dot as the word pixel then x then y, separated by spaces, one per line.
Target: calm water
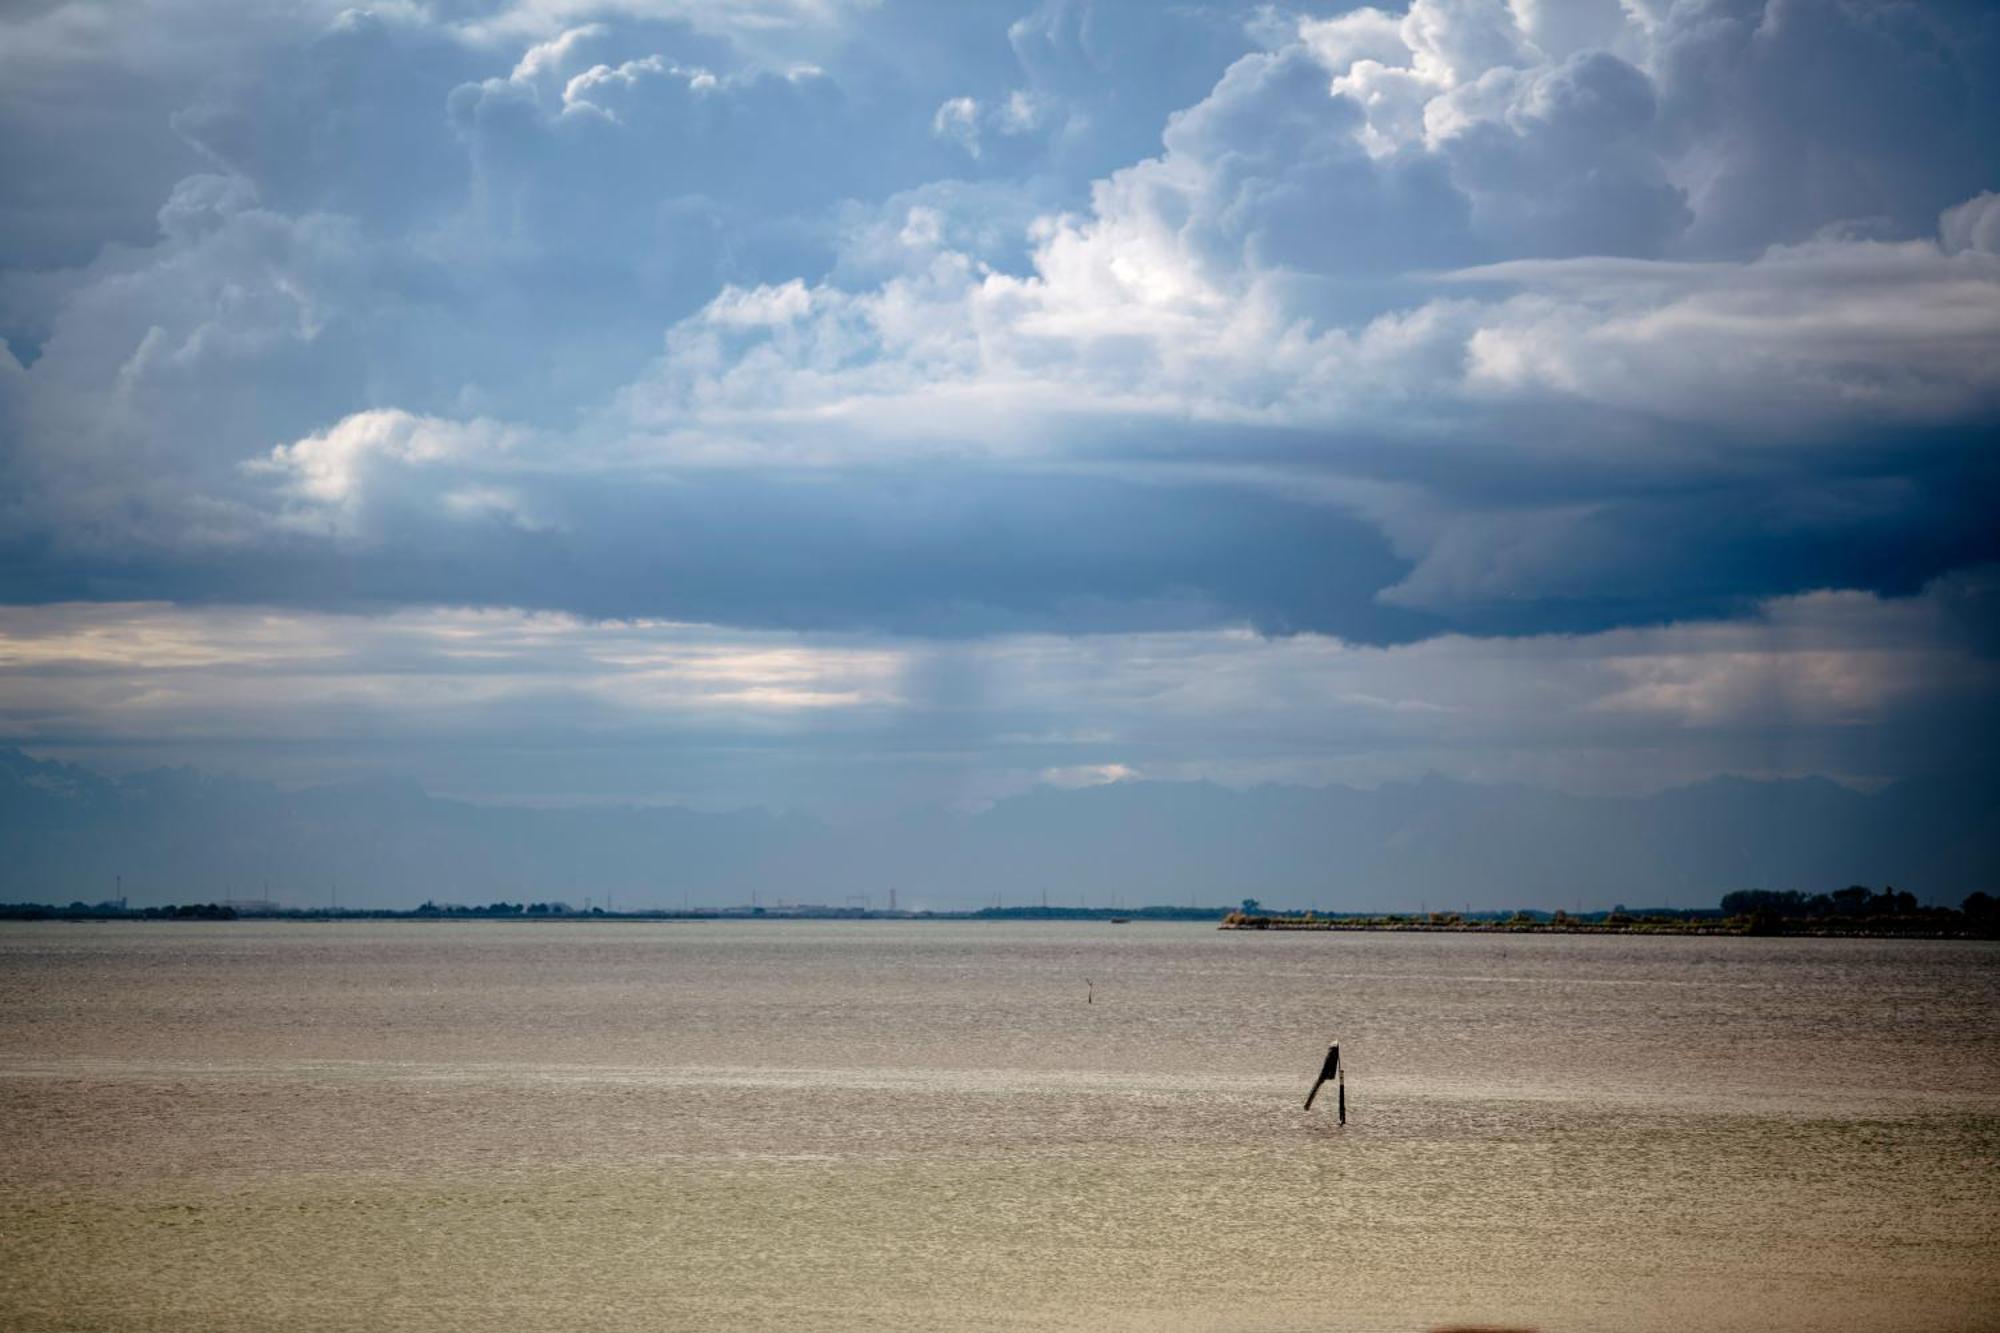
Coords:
pixel 830 1126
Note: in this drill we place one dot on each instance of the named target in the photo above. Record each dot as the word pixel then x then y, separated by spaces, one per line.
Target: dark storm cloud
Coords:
pixel 945 551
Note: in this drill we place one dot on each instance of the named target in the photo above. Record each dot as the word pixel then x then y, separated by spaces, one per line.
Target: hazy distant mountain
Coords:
pixel 178 835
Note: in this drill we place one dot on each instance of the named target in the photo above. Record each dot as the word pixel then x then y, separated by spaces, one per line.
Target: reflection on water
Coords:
pixel 843 1125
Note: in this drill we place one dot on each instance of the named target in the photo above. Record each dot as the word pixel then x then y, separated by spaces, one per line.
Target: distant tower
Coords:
pixel 892 900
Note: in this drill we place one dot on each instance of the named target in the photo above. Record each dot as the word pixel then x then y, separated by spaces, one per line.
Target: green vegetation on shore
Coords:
pixel 1856 910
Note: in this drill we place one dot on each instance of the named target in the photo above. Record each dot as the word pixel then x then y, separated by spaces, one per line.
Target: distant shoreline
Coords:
pixel 1693 923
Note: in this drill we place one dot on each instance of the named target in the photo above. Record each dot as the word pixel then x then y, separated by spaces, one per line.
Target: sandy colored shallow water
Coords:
pixel 843 1125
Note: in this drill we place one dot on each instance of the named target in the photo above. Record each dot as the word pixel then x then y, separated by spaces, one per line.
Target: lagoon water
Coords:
pixel 916 1126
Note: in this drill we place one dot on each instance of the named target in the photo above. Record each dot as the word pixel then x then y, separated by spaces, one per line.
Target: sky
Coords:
pixel 845 406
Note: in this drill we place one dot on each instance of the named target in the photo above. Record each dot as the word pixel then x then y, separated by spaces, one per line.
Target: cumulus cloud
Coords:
pixel 1118 312
pixel 1713 128
pixel 328 475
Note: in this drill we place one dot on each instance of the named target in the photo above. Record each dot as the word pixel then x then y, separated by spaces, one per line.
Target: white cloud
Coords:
pixel 1118 318
pixel 1073 776
pixel 767 306
pixel 328 474
pixel 957 119
pixel 965 121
